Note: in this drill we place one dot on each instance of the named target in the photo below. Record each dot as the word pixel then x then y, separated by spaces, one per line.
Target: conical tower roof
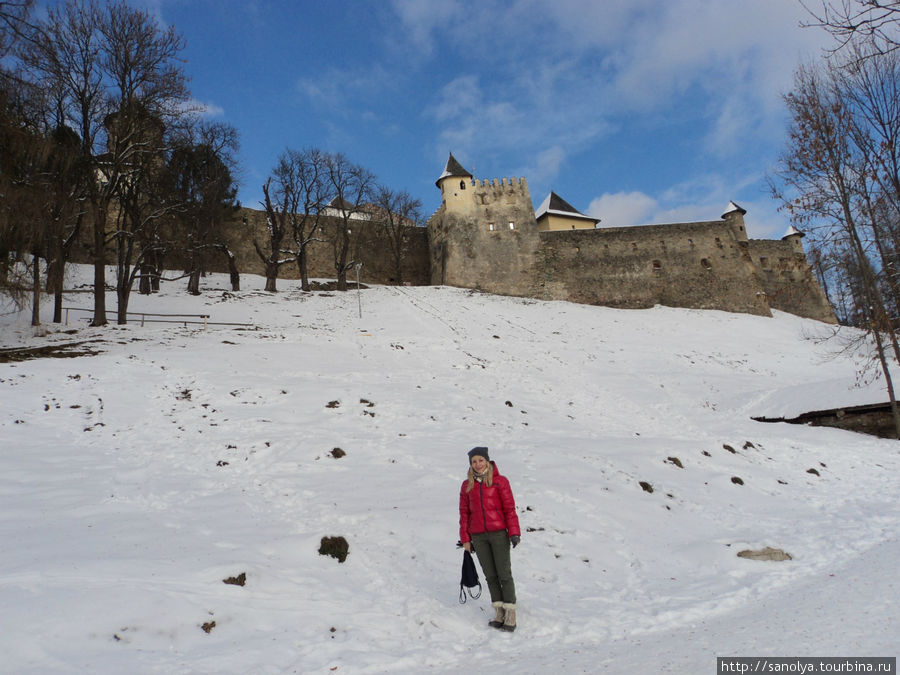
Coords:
pixel 732 207
pixel 453 170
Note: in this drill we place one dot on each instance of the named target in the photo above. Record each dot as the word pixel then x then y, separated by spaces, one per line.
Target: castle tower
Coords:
pixel 484 234
pixel 455 183
pixel 734 216
pixel 795 238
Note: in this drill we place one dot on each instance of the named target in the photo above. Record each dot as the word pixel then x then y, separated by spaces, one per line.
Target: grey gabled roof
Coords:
pixel 453 169
pixel 560 207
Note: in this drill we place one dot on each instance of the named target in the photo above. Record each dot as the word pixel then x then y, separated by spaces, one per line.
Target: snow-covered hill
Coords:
pixel 133 481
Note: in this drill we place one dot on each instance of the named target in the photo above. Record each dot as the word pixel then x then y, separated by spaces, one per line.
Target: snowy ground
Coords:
pixel 133 481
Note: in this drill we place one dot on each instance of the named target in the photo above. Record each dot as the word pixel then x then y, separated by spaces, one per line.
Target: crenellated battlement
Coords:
pixel 496 183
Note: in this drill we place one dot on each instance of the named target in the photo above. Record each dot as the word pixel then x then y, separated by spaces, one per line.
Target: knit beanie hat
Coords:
pixel 480 451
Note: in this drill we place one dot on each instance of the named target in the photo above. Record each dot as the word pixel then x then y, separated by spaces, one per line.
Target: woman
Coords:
pixel 488 522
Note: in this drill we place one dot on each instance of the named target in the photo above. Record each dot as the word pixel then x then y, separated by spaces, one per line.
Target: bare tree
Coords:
pixel 396 213
pixel 307 170
pixel 64 207
pixel 827 186
pixel 116 69
pixel 352 186
pixel 16 140
pixel 201 168
pixel 875 21
pixel 277 212
pixel 14 23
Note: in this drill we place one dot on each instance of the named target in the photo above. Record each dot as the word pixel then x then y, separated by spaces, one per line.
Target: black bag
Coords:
pixel 469 579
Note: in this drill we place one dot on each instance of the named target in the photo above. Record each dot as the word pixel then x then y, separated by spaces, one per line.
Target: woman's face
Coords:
pixel 479 464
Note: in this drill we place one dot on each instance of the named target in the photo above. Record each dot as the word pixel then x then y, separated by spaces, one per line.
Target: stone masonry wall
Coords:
pixel 788 279
pixel 466 253
pixel 699 265
pixel 371 248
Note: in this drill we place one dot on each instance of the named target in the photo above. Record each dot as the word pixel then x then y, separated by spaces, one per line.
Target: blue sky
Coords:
pixel 634 111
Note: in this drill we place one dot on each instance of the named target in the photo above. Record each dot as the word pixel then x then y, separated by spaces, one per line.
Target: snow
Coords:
pixel 134 481
pixel 544 208
pixel 731 207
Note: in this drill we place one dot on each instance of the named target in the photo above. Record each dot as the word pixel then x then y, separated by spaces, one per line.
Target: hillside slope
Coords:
pixel 135 480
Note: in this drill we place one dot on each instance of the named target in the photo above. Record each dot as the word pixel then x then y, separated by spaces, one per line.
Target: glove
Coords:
pixel 514 540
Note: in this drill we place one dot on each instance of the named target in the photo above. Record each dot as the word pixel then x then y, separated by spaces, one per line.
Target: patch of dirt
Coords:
pixel 62 351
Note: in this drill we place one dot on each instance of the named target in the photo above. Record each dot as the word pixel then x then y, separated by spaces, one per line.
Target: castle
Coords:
pixel 486 235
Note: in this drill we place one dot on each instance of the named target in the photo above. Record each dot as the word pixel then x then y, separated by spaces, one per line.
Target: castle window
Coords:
pixel 657 265
pixel 705 263
pixel 491 227
pixel 718 242
pixel 634 246
pixel 462 185
pixel 512 225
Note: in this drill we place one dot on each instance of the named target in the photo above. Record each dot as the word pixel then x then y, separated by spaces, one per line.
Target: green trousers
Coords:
pixel 492 549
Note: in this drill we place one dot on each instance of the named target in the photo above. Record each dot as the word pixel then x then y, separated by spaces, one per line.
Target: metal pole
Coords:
pixel 358 296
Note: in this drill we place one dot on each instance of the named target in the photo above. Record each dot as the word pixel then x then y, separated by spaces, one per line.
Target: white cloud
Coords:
pixel 421 18
pixel 622 209
pixel 530 73
pixel 549 162
pixel 208 109
pixel 346 91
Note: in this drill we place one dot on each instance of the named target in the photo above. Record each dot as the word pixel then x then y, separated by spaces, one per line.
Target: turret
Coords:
pixel 455 182
pixel 734 216
pixel 795 238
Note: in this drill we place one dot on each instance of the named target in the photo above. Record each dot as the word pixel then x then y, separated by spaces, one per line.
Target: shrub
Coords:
pixel 336 547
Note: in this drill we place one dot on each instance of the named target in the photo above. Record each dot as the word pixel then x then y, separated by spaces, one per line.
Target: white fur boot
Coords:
pixel 499 615
pixel 509 621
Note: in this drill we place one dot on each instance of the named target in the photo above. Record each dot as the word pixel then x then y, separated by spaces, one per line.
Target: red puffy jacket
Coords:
pixel 487 509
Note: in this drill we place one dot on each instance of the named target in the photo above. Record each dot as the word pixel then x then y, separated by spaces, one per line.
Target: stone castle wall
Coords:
pixel 702 265
pixel 699 265
pixel 370 246
pixel 788 279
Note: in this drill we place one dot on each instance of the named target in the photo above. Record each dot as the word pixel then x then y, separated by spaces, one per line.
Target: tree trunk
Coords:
pixel 35 290
pixel 233 272
pixel 194 282
pixel 303 267
pixel 193 270
pixel 55 279
pixel 271 276
pixel 122 312
pixel 340 265
pixel 399 265
pixel 144 287
pixel 99 267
